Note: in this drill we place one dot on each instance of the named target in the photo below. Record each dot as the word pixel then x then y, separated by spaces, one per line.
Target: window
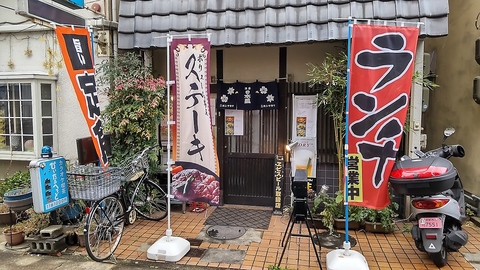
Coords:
pixel 26 117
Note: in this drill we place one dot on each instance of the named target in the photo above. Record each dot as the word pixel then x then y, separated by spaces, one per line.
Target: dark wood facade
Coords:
pixel 247 161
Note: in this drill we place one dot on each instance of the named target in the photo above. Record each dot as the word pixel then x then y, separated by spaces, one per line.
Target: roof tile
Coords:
pixel 245 22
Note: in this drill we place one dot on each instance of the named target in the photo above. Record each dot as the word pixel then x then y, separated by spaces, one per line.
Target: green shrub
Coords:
pixel 136 105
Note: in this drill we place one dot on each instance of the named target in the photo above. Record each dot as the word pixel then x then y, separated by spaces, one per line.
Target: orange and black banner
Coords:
pixel 76 50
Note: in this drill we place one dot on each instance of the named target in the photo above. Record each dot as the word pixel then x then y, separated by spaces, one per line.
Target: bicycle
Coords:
pixel 113 205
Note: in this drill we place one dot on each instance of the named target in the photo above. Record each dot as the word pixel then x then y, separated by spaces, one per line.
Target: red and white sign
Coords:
pixel 382 63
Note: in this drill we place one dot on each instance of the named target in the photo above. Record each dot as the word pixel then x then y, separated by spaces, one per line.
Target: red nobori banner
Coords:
pixel 75 45
pixel 193 141
pixel 382 63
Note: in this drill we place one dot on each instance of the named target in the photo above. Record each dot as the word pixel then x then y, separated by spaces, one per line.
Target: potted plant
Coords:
pixel 7 216
pixel 32 223
pixel 15 234
pixel 81 235
pixel 356 214
pixel 75 232
pixel 18 180
pixel 331 209
pixel 19 199
pixel 381 221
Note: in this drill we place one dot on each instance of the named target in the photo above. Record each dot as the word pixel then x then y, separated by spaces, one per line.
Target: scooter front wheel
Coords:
pixel 439 258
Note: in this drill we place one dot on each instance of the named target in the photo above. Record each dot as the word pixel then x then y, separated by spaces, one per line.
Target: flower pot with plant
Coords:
pixel 16 191
pixel 32 223
pixel 382 221
pixel 19 180
pixel 7 216
pixel 331 209
pixel 330 78
pixel 14 235
pixel 356 214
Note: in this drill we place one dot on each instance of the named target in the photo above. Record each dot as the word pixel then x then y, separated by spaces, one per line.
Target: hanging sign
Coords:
pixel 382 62
pixel 75 46
pixel 304 132
pixel 248 96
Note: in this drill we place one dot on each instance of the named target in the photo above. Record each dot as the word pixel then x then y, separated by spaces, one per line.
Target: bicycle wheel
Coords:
pixel 150 201
pixel 104 228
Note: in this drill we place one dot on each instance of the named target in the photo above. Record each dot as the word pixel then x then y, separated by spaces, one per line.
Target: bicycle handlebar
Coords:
pixel 148 148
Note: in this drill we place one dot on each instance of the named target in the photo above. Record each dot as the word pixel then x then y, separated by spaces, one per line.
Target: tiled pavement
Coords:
pixel 382 251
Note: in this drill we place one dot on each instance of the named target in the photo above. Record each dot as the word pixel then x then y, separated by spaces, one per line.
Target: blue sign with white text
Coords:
pixel 49 184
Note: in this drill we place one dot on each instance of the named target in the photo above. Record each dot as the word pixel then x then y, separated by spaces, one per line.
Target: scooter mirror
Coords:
pixel 449 131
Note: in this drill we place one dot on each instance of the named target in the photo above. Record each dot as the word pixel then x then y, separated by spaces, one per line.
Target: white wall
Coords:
pixel 15 39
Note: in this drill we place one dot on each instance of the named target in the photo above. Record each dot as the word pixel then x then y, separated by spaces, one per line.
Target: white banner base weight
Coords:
pixel 346 259
pixel 168 248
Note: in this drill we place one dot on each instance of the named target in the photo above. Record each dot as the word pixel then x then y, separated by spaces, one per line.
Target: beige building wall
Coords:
pixel 451 104
pixel 248 64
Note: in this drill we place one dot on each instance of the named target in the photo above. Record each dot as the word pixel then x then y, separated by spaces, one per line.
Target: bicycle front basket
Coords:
pixel 93 183
pixel 133 167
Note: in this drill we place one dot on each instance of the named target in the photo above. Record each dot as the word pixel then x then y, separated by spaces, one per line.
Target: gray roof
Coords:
pixel 145 23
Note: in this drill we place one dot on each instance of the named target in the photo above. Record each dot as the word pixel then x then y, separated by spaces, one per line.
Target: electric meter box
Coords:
pixel 49 184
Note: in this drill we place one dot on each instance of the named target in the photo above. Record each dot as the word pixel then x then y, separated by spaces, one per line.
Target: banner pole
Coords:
pixel 169 147
pixel 346 258
pixel 92 44
pixel 345 188
pixel 169 248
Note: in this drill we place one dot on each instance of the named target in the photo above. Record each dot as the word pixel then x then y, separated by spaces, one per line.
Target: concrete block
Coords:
pixel 47 245
pixel 52 231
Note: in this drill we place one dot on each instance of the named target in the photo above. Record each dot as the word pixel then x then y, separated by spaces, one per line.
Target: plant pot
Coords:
pixel 72 239
pixel 81 240
pixel 339 224
pixel 376 227
pixel 317 222
pixel 19 205
pixel 14 239
pixel 18 194
pixel 8 218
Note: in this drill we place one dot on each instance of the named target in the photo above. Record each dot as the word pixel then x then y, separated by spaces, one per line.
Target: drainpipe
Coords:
pixel 414 134
pixel 113 17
